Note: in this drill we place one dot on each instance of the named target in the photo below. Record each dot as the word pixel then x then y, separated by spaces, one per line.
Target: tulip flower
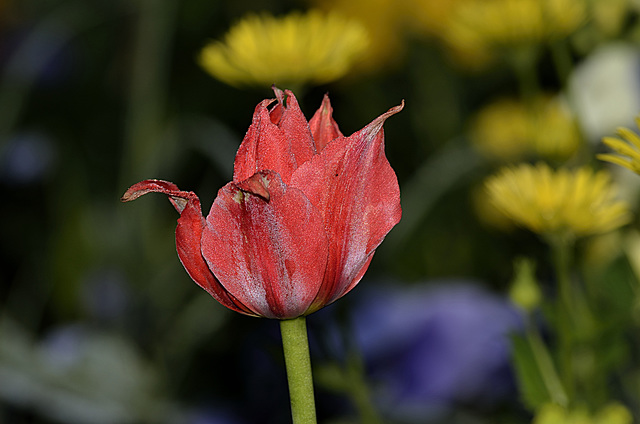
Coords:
pixel 298 226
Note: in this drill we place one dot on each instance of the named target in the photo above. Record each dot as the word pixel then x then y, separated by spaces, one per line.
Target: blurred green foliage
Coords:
pixel 98 320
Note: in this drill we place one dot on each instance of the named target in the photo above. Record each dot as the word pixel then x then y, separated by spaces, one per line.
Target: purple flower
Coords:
pixel 27 158
pixel 105 295
pixel 431 347
pixel 209 416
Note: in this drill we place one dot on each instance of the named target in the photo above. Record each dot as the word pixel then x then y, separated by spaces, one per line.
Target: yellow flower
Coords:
pixel 609 16
pixel 509 130
pixel 430 16
pixel 612 413
pixel 488 24
pixel 525 291
pixel 629 150
pixel 299 48
pixel 603 249
pixel 487 212
pixel 384 21
pixel 561 203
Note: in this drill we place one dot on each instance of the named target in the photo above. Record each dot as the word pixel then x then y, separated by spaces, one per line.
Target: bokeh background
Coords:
pixel 99 323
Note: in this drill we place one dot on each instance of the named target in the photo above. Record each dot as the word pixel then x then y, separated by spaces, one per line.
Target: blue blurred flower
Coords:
pixel 210 416
pixel 429 348
pixel 38 53
pixel 105 294
pixel 27 158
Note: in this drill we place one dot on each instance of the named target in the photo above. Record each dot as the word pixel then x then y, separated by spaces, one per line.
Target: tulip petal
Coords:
pixel 323 127
pixel 270 254
pixel 279 140
pixel 188 237
pixel 353 185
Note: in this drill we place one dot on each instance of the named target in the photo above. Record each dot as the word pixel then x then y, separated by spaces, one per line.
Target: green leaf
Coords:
pixel 531 384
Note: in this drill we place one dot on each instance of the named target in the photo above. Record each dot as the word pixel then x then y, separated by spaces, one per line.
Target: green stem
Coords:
pixel 564 311
pixel 545 365
pixel 298 363
pixel 359 390
pixel 563 64
pixel 562 60
pixel 148 90
pixel 523 61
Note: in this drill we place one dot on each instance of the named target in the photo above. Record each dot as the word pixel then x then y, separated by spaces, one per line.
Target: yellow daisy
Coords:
pixel 629 149
pixel 565 203
pixel 508 130
pixel 609 16
pixel 430 17
pixel 315 47
pixel 385 23
pixel 484 25
pixel 612 413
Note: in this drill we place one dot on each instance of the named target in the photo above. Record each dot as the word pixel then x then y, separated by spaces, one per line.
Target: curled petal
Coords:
pixel 279 140
pixel 271 255
pixel 177 198
pixel 188 237
pixel 356 190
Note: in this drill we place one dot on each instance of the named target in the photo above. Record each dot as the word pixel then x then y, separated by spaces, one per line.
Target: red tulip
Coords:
pixel 297 227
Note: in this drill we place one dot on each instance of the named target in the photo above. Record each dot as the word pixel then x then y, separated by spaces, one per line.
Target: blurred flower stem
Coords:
pixel 564 315
pixel 523 61
pixel 298 363
pixel 144 140
pixel 147 95
pixel 349 377
pixel 545 364
pixel 562 61
pixel 358 389
pixel 22 68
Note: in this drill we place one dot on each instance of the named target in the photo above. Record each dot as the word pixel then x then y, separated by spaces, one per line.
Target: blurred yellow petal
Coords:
pixel 550 414
pixel 630 136
pixel 488 25
pixel 563 202
pixel 618 160
pixel 293 50
pixel 622 148
pixel 384 22
pixel 613 413
pixel 610 15
pixel 628 148
pixel 509 130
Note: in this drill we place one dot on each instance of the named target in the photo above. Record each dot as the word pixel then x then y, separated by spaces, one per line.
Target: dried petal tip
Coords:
pixel 178 199
pixel 279 94
pixel 148 186
pixel 395 109
pixel 377 123
pixel 257 184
